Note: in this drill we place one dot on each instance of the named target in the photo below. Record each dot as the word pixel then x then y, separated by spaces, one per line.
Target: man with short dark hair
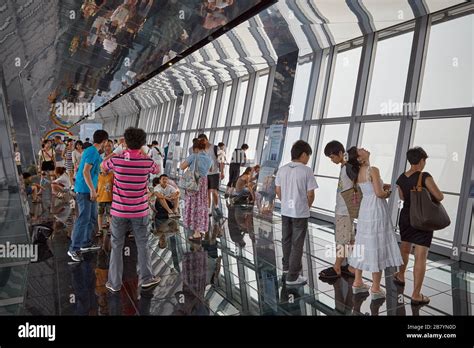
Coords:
pixel 216 173
pixel 130 207
pixel 167 199
pixel 239 159
pixel 295 185
pixel 86 197
pixel 86 144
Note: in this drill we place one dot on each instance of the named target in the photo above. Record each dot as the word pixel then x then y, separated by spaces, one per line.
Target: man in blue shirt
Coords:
pixel 86 196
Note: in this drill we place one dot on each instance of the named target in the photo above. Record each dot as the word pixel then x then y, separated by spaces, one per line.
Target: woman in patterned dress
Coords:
pixel 196 217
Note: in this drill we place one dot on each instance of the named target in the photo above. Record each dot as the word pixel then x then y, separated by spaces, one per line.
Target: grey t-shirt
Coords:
pixel 215 162
pixel 343 184
pixel 295 180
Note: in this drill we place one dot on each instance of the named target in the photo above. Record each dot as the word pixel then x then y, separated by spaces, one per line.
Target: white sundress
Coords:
pixel 375 247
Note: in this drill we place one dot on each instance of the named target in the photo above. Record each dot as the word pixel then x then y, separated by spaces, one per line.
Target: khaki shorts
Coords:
pixel 344 230
pixel 104 208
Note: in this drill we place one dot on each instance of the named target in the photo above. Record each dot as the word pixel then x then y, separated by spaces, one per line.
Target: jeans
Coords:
pixel 120 227
pixel 294 234
pixel 85 223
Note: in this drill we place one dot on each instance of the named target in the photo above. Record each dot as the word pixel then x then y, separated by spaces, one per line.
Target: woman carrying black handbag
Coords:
pixel 409 234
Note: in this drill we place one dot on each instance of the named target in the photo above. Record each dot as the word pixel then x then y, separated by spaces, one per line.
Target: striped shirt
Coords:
pixel 239 156
pixel 131 171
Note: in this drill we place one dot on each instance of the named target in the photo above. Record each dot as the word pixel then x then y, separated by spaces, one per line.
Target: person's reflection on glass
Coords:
pixel 343 295
pixel 235 233
pixel 375 306
pixel 358 299
pixel 290 299
pixel 101 273
pixel 83 284
pixel 190 301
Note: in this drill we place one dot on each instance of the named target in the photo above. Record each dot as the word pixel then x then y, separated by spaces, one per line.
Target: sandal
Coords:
pixel 360 289
pixel 424 301
pixel 329 273
pixel 397 281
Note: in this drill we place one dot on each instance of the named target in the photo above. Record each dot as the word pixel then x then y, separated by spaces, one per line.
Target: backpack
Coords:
pixel 190 179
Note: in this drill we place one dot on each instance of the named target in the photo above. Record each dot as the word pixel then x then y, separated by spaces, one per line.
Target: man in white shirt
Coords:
pixel 167 197
pixel 295 185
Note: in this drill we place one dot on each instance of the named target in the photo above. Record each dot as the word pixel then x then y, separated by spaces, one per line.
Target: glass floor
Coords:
pixel 235 270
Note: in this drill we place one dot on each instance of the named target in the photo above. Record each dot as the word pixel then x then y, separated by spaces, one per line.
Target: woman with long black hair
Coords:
pixel 375 246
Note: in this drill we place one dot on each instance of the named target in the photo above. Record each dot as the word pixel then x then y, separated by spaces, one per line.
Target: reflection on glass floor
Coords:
pixel 235 270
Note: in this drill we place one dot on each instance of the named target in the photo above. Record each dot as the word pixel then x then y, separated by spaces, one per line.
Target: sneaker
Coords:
pixel 93 247
pixel 151 283
pixel 299 281
pixel 110 288
pixel 75 256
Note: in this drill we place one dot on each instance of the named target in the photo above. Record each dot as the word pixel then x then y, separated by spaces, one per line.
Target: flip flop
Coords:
pixel 424 301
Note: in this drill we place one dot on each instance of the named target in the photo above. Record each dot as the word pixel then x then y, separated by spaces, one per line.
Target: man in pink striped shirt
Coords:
pixel 130 207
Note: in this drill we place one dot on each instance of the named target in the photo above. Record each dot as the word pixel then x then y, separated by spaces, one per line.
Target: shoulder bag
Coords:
pixel 352 197
pixel 426 214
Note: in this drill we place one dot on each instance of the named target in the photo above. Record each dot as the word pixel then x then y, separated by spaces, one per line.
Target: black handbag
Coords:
pixel 426 214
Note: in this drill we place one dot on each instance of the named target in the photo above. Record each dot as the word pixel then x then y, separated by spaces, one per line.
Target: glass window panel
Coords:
pixel 224 105
pixel 445 141
pixel 292 135
pixel 212 105
pixel 197 111
pixel 239 108
pixel 320 87
pixel 325 196
pixel 219 137
pixel 230 147
pixel 380 138
pixel 300 91
pixel 259 99
pixel 187 109
pixel 436 5
pixel 251 138
pixel 389 76
pixel 448 76
pixel 338 132
pixel 344 82
pixel 169 123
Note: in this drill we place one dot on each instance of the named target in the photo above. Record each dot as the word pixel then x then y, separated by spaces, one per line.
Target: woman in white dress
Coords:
pixel 375 246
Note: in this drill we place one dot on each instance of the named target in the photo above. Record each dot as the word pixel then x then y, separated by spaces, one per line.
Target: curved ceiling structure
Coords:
pixel 251 46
